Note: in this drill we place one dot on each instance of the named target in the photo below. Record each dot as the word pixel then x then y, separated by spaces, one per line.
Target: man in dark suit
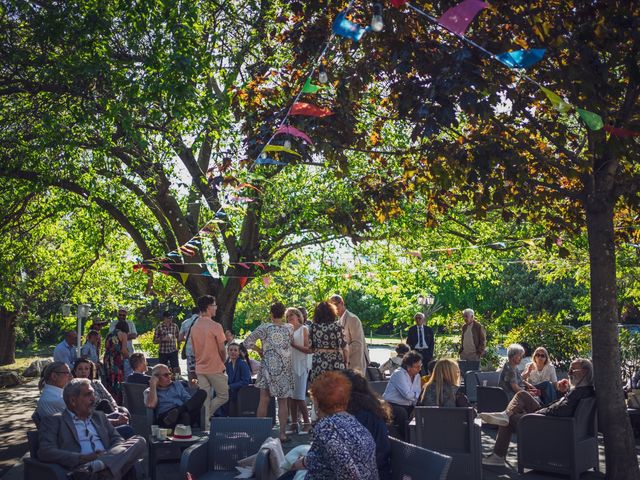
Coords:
pixel 421 339
pixel 83 440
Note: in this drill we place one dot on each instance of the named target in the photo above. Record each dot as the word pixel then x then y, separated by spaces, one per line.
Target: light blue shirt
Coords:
pixel 50 401
pixel 401 390
pixel 87 435
pixel 65 353
pixel 184 330
pixel 175 395
pixel 89 351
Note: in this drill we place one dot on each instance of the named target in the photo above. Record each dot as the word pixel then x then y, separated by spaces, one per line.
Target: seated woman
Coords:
pixel 342 448
pixel 374 413
pixel 254 365
pixel 394 363
pixel 403 391
pixel 442 388
pixel 238 374
pixel 510 379
pixel 542 374
pixel 118 416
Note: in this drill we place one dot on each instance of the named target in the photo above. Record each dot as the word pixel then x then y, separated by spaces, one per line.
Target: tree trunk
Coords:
pixel 613 420
pixel 226 296
pixel 7 336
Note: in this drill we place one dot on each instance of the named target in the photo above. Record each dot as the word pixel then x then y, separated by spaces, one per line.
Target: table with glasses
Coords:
pixel 159 450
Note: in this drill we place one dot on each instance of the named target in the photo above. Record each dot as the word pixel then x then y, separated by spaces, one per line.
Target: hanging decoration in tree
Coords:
pixel 294 132
pixel 268 161
pixel 310 87
pixel 347 29
pixel 309 110
pixel 592 120
pixel 521 58
pixel 278 148
pixel 558 103
pixel 621 132
pixel 458 18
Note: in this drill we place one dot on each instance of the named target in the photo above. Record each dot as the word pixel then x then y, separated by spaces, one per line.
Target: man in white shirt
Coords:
pixel 65 351
pixel 133 333
pixel 354 336
pixel 55 377
pixel 82 439
pixel 185 336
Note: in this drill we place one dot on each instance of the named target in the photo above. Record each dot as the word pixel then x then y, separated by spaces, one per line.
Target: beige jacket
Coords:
pixel 354 336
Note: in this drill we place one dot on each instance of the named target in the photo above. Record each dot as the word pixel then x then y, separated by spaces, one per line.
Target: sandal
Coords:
pixel 291 429
pixel 304 429
pixel 285 439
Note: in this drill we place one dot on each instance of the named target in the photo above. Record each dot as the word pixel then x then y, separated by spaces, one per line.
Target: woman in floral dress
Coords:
pixel 275 378
pixel 115 352
pixel 326 339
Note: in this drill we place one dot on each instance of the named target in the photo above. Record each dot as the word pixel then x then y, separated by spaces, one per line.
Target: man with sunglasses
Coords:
pixel 581 380
pixel 54 378
pixel 82 439
pixel 172 403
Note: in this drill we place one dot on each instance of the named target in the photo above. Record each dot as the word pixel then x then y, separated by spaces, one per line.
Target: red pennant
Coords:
pixel 242 281
pixel 301 108
pixel 259 264
pixel 398 3
pixel 266 280
pixel 621 132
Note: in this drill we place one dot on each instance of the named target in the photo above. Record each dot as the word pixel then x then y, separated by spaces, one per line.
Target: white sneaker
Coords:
pixel 495 460
pixel 495 418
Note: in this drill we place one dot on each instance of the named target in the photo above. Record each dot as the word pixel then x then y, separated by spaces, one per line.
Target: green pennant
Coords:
pixel 310 87
pixel 558 103
pixel 224 280
pixel 593 120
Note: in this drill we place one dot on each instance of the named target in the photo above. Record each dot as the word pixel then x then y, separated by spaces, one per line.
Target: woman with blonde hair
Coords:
pixel 301 361
pixel 542 374
pixel 442 388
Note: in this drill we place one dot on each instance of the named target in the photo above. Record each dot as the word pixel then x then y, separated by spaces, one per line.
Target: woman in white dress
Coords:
pixel 275 378
pixel 301 361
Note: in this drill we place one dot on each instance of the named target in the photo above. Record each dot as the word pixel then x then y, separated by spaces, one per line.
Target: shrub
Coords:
pixel 562 343
pixel 145 342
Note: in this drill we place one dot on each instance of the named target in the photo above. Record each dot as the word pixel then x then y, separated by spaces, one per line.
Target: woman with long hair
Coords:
pixel 374 414
pixel 542 374
pixel 301 361
pixel 115 353
pixel 442 388
pixel 326 339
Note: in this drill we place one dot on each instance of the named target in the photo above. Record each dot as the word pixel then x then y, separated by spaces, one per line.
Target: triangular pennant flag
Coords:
pixel 398 3
pixel 415 253
pixel 268 161
pixel 621 132
pixel 293 131
pixel 556 101
pixel 345 28
pixel 234 198
pixel 310 87
pixel 248 185
pixel 593 120
pixel 244 265
pixel 521 58
pixel 206 274
pixel 167 266
pixel 224 280
pixel 184 277
pixel 259 264
pixel 266 280
pixel 458 18
pixel 242 281
pixel 302 108
pixel 529 242
pixel 278 148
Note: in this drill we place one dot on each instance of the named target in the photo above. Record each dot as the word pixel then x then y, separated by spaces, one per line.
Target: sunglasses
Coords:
pixel 163 374
pixel 541 355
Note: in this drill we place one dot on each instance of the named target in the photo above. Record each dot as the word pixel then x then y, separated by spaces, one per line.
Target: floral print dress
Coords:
pixel 326 336
pixel 114 366
pixel 276 373
pixel 342 449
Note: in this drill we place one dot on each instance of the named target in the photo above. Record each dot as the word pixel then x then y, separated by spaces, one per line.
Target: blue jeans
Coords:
pixel 548 393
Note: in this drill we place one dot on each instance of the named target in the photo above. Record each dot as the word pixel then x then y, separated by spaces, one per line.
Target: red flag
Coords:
pixel 398 3
pixel 621 132
pixel 301 108
pixel 242 281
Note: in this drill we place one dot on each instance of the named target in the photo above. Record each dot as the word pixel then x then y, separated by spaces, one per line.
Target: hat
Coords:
pixel 182 433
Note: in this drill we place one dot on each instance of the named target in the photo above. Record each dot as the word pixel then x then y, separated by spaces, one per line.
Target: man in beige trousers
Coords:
pixel 354 336
pixel 207 340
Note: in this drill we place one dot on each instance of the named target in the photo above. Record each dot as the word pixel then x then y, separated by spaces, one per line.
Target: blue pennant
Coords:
pixel 521 58
pixel 345 28
pixel 268 161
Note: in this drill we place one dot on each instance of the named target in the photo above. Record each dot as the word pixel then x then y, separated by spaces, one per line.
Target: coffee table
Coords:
pixel 158 447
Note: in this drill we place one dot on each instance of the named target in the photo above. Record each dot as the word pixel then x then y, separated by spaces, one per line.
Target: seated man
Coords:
pixel 171 400
pixel 55 377
pixel 65 351
pixel 139 367
pixel 581 377
pixel 82 439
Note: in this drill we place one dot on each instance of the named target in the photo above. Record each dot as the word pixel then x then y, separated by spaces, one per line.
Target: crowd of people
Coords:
pixel 325 358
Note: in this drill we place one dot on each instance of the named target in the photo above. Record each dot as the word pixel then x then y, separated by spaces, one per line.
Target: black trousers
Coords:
pixel 186 414
pixel 401 416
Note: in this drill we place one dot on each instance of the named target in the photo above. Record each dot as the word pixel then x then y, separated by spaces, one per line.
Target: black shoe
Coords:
pixel 171 417
pixel 83 472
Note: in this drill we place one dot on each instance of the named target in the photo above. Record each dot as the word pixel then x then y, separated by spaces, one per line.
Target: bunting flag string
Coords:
pixel 309 110
pixel 345 28
pixel 294 132
pixel 457 19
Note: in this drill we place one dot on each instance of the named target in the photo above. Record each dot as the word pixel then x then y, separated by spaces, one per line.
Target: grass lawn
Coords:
pixel 25 357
